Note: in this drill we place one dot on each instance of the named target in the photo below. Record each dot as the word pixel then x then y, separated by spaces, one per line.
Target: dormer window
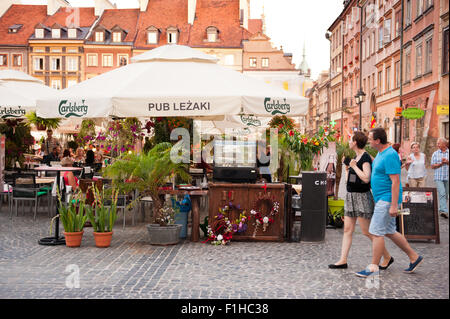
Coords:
pixel 39 33
pixel 14 28
pixel 152 35
pixel 117 37
pixel 99 36
pixel 56 33
pixel 72 33
pixel 172 35
pixel 212 34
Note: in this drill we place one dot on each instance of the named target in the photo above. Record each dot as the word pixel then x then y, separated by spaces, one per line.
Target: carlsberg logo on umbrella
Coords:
pixel 7 112
pixel 250 120
pixel 276 107
pixel 72 109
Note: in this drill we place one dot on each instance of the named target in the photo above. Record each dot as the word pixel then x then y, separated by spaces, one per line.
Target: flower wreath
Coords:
pixel 267 219
pixel 221 230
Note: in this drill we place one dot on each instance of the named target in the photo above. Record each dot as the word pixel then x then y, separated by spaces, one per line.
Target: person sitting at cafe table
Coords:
pixel 69 178
pixel 53 156
pixel 79 155
pixel 90 158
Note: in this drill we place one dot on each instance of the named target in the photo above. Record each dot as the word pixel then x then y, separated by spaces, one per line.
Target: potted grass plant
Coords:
pixel 73 218
pixel 147 173
pixel 103 215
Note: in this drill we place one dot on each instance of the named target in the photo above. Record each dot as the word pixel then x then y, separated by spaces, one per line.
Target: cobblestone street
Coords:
pixel 132 268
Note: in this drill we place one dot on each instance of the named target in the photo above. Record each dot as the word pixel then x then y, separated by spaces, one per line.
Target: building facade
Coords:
pixel 403 47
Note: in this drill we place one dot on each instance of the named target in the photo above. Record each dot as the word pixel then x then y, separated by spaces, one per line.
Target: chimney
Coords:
pixel 54 5
pixel 5 4
pixel 143 5
pixel 192 4
pixel 101 5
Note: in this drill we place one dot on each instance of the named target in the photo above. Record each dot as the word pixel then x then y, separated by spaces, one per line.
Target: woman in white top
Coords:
pixel 415 165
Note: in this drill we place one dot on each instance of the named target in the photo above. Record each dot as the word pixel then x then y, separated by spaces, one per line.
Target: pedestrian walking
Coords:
pixel 439 162
pixel 387 193
pixel 415 165
pixel 359 202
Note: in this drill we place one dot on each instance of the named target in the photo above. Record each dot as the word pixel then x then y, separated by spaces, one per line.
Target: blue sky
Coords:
pixel 290 23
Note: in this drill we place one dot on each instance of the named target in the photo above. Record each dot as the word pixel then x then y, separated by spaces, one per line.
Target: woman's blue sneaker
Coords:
pixel 366 273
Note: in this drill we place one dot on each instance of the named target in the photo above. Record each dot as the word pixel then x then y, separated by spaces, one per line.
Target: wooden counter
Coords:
pixel 247 195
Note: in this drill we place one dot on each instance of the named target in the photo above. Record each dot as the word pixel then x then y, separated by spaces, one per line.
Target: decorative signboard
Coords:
pixel 422 221
pixel 413 113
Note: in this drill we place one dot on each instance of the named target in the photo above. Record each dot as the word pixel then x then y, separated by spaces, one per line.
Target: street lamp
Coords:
pixel 359 98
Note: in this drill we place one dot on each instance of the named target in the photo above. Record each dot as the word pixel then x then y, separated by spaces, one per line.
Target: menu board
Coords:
pixel 422 221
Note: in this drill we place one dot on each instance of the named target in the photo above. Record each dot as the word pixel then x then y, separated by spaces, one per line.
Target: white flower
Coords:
pixel 266 220
pixel 219 237
pixel 253 212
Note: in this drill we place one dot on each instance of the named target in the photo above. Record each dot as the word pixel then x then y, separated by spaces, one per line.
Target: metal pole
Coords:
pixel 401 69
pixel 360 65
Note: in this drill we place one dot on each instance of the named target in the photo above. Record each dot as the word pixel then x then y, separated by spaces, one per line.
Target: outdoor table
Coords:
pixel 56 240
pixel 195 200
pixel 45 180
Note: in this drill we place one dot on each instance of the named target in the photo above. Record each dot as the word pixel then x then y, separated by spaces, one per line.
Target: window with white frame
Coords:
pixel 71 83
pixel 407 64
pixel 17 59
pixel 265 62
pixel 3 59
pixel 379 83
pixel 387 31
pixel 72 33
pixel 388 79
pixel 418 65
pixel 212 34
pixel 229 59
pixel 72 63
pixel 428 55
pixel 55 64
pixel 56 84
pixel 39 33
pixel 107 60
pixel 122 59
pixel 92 59
pixel 56 33
pixel 397 74
pixel 152 37
pixel 99 36
pixel 419 7
pixel 172 37
pixel 408 12
pixel 38 63
pixel 252 62
pixel 117 37
pixel 380 37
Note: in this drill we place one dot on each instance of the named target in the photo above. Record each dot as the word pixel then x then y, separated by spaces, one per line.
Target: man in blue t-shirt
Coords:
pixel 387 194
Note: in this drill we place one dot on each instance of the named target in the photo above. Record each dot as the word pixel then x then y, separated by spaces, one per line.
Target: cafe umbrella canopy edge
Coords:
pixel 19 92
pixel 172 80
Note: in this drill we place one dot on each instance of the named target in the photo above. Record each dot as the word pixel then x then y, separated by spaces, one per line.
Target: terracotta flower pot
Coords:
pixel 103 239
pixel 74 239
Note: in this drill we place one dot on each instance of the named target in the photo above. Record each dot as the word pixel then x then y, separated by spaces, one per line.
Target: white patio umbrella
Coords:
pixel 18 93
pixel 172 80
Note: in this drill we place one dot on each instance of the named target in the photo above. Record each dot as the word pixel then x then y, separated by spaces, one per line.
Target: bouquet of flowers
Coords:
pixel 308 146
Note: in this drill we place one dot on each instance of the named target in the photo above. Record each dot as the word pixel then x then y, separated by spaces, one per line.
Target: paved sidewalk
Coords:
pixel 132 268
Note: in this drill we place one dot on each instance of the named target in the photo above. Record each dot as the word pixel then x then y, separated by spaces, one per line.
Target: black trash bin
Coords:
pixel 314 206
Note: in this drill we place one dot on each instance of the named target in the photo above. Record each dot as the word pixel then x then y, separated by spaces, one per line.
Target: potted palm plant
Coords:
pixel 41 123
pixel 73 218
pixel 147 173
pixel 105 216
